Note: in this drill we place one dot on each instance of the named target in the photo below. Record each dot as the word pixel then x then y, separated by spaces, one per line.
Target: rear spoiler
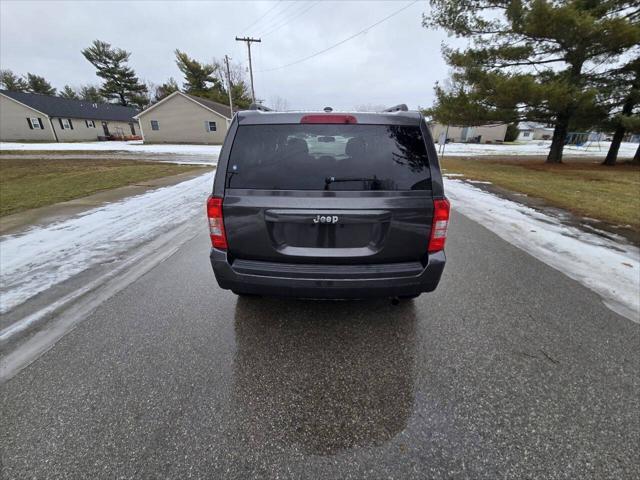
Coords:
pixel 262 108
pixel 397 108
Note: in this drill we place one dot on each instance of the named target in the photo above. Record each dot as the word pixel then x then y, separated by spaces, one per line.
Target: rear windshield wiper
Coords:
pixel 329 180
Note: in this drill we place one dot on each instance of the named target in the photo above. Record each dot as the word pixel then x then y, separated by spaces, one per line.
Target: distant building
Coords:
pixel 33 117
pixel 184 118
pixel 494 133
pixel 528 131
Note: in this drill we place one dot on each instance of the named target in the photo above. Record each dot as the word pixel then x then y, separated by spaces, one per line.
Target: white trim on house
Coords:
pixel 144 112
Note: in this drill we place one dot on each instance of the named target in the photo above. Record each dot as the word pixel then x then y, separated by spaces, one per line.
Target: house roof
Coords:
pixel 223 110
pixel 216 107
pixel 67 108
pixel 532 126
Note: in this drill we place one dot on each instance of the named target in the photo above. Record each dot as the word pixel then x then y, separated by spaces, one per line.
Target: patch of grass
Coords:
pixel 31 183
pixel 610 194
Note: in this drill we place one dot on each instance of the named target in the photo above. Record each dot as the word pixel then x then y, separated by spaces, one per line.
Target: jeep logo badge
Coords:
pixel 326 219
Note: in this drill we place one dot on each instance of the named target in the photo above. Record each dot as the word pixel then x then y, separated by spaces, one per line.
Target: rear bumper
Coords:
pixel 317 281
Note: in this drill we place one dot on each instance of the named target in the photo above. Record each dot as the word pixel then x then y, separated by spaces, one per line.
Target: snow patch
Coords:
pixel 607 266
pixel 42 257
pixel 136 146
pixel 627 149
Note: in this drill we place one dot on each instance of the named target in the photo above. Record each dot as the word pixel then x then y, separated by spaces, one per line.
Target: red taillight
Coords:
pixel 216 223
pixel 320 118
pixel 439 226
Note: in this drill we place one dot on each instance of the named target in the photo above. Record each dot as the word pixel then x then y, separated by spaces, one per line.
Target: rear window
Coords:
pixel 328 157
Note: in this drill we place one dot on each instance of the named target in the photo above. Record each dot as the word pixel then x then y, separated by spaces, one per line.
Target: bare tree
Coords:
pixel 279 103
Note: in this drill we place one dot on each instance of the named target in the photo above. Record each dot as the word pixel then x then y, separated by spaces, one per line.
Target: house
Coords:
pixel 528 131
pixel 184 118
pixel 33 117
pixel 480 134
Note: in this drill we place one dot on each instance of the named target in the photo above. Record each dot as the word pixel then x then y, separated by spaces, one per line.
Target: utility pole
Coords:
pixel 249 40
pixel 226 61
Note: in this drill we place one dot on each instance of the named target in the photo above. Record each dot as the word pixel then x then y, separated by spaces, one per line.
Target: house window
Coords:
pixel 210 126
pixel 526 134
pixel 35 123
pixel 65 124
pixel 155 125
pixel 90 123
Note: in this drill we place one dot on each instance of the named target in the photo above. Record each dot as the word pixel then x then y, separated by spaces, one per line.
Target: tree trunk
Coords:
pixel 612 154
pixel 559 137
pixel 636 157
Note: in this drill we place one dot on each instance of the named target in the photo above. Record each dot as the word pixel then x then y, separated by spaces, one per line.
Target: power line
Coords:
pixel 262 16
pixel 291 18
pixel 282 13
pixel 393 14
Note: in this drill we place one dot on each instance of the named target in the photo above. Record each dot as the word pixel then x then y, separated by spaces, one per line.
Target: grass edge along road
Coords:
pixel 608 194
pixel 32 183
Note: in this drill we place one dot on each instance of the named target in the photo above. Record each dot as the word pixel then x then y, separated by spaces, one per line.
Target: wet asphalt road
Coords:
pixel 509 370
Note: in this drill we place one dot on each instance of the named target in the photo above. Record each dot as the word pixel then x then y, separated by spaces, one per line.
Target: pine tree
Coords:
pixel 198 76
pixel 624 85
pixel 239 87
pixel 38 84
pixel 532 59
pixel 166 89
pixel 68 92
pixel 91 93
pixel 120 81
pixel 12 82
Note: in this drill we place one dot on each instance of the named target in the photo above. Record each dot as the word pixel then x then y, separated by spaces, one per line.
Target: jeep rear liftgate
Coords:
pixel 328 193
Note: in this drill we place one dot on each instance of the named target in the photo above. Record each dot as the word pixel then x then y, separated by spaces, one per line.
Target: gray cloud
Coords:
pixel 397 61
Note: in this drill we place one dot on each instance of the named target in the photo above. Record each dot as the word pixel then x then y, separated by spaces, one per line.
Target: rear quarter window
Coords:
pixel 330 157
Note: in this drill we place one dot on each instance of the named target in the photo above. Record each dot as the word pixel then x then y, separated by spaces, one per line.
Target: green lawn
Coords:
pixel 27 183
pixel 610 194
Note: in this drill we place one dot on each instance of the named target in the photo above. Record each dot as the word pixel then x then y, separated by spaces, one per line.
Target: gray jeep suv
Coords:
pixel 328 205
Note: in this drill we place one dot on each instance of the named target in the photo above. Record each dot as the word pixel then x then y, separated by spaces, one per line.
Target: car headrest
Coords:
pixel 355 147
pixel 297 146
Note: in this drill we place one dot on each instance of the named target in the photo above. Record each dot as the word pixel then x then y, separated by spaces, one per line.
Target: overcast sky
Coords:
pixel 397 61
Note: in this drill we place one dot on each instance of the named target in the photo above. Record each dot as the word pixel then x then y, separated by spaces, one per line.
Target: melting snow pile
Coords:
pixel 45 256
pixel 610 268
pixel 627 149
pixel 135 146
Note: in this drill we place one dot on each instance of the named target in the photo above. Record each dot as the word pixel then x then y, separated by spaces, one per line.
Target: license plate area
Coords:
pixel 327 232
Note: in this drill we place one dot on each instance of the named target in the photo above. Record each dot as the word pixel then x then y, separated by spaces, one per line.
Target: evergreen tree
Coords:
pixel 199 77
pixel 531 60
pixel 512 132
pixel 10 81
pixel 68 92
pixel 91 93
pixel 239 87
pixel 624 85
pixel 120 81
pixel 166 89
pixel 210 80
pixel 38 84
